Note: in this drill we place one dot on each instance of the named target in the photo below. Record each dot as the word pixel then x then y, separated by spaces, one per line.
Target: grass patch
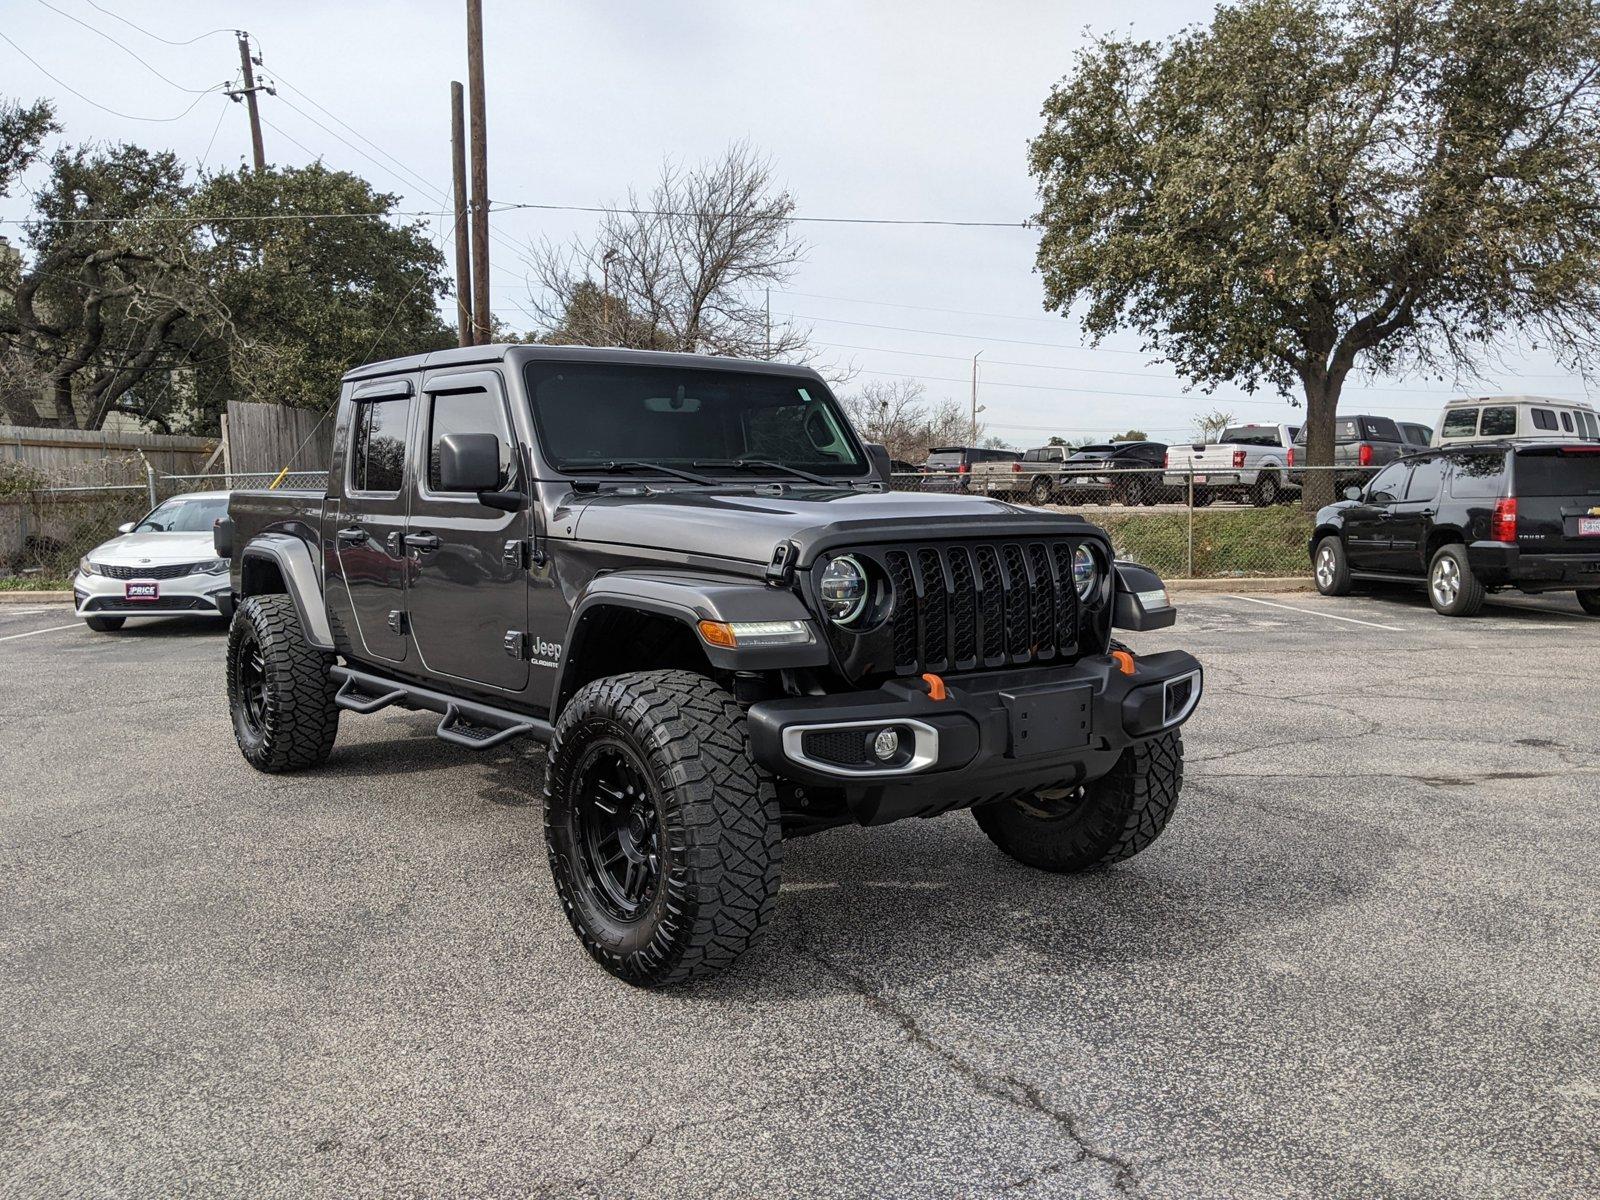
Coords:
pixel 1227 544
pixel 34 583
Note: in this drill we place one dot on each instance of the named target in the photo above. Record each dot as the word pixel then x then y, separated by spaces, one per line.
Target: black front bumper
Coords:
pixel 997 734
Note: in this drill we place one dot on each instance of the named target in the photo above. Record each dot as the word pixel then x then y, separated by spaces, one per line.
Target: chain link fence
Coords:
pixel 1180 525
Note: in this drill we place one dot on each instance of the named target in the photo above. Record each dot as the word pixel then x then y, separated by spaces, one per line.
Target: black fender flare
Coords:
pixel 690 599
pixel 292 558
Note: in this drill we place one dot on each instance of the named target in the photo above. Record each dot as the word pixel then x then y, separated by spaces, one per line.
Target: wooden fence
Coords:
pixel 267 437
pixel 68 456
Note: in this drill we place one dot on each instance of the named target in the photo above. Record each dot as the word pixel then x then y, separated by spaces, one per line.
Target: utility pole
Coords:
pixel 248 94
pixel 458 171
pixel 769 325
pixel 481 315
pixel 975 407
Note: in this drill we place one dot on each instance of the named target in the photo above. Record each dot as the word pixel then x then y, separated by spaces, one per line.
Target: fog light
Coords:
pixel 886 745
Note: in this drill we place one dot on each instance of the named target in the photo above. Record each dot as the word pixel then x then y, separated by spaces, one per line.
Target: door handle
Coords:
pixel 421 541
pixel 352 535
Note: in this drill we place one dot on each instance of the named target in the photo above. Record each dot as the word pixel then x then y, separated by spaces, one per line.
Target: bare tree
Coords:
pixel 685 267
pixel 892 413
pixel 1208 426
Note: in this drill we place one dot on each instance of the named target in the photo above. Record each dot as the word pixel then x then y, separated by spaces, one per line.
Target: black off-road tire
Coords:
pixel 104 624
pixel 279 691
pixel 1453 588
pixel 1108 820
pixel 715 817
pixel 1330 568
pixel 1589 601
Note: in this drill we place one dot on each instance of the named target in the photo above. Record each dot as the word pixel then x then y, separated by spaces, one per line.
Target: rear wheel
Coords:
pixel 279 691
pixel 1203 497
pixel 104 624
pixel 1331 567
pixel 1039 491
pixel 665 841
pixel 1589 601
pixel 1268 491
pixel 1452 587
pixel 1101 822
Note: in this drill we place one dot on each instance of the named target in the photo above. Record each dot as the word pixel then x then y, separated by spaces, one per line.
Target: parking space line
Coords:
pixel 1311 612
pixel 11 637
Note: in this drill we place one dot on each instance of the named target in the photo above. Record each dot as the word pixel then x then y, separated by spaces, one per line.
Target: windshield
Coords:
pixel 945 458
pixel 592 414
pixel 184 514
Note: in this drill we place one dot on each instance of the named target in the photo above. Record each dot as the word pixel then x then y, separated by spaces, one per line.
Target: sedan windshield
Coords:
pixel 184 514
pixel 592 415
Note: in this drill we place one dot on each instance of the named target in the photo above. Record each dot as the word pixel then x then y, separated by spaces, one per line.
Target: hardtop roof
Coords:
pixel 515 354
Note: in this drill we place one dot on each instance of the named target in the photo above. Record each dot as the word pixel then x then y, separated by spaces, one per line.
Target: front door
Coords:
pixel 371 521
pixel 1366 524
pixel 469 583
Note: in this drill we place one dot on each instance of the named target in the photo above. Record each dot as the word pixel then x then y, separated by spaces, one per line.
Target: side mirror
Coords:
pixel 1352 492
pixel 126 527
pixel 469 462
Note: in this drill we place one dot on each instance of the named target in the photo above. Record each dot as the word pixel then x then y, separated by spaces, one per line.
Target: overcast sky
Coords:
pixel 920 109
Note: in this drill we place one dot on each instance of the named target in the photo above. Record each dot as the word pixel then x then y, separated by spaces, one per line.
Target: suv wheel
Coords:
pixel 664 840
pixel 279 692
pixel 1589 601
pixel 1452 587
pixel 1039 491
pixel 1331 567
pixel 1101 822
pixel 1267 491
pixel 104 624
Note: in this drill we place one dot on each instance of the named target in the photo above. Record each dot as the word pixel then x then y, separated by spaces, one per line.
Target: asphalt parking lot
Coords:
pixel 1364 959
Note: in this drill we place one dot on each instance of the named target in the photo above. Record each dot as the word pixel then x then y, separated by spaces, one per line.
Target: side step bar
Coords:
pixel 464 722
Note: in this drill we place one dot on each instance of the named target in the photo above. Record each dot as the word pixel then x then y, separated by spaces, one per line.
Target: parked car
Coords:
pixel 1061 475
pixel 162 565
pixel 1247 462
pixel 1469 520
pixel 1360 444
pixel 1524 418
pixel 949 468
pixel 1416 434
pixel 688 578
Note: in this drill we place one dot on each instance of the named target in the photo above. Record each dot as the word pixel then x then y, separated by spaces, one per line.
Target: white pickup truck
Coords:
pixel 1247 462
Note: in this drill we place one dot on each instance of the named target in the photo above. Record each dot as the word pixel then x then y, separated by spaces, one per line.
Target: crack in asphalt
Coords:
pixel 1125 1174
pixel 1435 780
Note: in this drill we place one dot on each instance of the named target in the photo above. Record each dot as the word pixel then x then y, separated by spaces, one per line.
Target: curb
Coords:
pixel 1288 583
pixel 19 596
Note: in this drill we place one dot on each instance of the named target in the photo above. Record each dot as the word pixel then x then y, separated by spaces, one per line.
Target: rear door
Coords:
pixel 370 519
pixel 1411 516
pixel 1558 499
pixel 469 587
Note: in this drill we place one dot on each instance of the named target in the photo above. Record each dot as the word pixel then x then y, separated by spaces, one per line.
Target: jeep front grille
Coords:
pixel 974 605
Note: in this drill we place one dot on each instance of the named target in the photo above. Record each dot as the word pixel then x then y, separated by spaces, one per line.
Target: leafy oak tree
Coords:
pixel 1308 187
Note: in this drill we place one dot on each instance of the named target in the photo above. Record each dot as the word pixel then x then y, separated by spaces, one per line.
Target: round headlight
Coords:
pixel 1085 571
pixel 844 590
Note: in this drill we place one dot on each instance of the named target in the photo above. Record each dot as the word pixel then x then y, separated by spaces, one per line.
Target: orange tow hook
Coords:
pixel 1124 661
pixel 935 687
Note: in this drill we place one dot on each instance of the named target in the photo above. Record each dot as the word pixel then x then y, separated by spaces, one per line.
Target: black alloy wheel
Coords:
pixel 619 831
pixel 250 682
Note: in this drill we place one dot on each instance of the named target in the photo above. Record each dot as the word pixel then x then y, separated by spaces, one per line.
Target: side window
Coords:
pixel 1478 476
pixel 1460 422
pixel 1390 483
pixel 1544 418
pixel 1566 420
pixel 1425 479
pixel 1498 422
pixel 1382 429
pixel 378 446
pixel 1032 455
pixel 466 412
pixel 1591 426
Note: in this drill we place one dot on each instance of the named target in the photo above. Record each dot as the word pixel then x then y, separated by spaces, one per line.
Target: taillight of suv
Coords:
pixel 1238 459
pixel 1503 525
pixel 964 469
pixel 1364 454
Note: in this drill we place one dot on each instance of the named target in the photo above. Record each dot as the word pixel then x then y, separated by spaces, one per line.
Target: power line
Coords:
pixel 959 312
pixel 100 33
pixel 156 36
pixel 658 212
pixel 59 82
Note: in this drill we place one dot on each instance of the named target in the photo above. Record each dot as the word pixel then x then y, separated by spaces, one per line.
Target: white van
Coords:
pixel 1526 418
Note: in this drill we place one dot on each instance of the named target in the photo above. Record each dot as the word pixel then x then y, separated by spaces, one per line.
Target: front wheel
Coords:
pixel 1331 567
pixel 1452 586
pixel 104 624
pixel 279 691
pixel 664 840
pixel 1101 822
pixel 1589 601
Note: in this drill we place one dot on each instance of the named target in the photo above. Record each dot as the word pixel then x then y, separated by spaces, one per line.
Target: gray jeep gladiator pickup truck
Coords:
pixel 686 576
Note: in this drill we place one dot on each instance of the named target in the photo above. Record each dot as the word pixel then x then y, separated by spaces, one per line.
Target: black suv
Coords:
pixel 1470 520
pixel 687 576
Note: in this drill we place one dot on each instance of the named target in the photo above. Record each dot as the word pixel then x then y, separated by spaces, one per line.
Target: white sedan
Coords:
pixel 163 566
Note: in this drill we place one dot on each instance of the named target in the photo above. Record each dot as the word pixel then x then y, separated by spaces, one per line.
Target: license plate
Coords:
pixel 141 591
pixel 1048 720
pixel 1201 478
pixel 1589 526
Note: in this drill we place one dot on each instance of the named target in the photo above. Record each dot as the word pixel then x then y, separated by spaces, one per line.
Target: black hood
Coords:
pixel 745 523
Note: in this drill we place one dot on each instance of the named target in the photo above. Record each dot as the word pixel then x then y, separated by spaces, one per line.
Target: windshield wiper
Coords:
pixel 762 464
pixel 638 464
